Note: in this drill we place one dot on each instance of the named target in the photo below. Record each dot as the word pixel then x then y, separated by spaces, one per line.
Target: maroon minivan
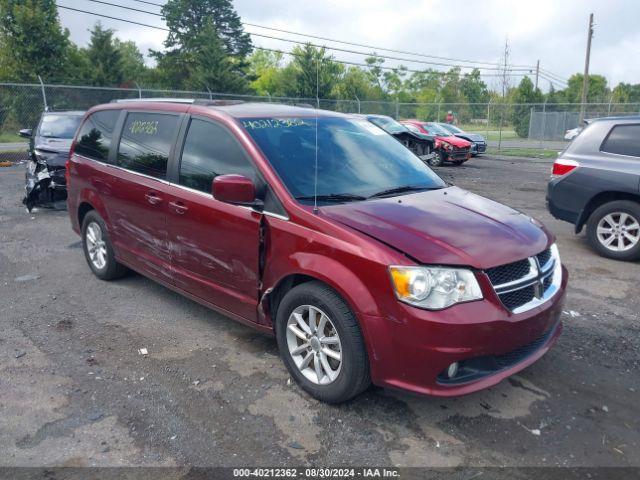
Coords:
pixel 323 230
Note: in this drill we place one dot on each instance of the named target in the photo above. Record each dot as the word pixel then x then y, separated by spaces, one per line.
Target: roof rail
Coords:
pixel 194 101
pixel 158 99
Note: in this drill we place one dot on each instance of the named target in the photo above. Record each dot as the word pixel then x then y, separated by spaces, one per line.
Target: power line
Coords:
pixel 355 52
pixel 345 62
pixel 477 62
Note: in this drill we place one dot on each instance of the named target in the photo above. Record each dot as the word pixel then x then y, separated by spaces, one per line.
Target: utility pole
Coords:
pixel 537 72
pixel 585 77
pixel 505 87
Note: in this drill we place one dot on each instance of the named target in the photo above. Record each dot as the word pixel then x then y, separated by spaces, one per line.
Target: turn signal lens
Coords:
pixel 434 288
pixel 562 166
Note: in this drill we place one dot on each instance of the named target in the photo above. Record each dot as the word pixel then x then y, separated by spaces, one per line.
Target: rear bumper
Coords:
pixel 559 210
pixel 412 349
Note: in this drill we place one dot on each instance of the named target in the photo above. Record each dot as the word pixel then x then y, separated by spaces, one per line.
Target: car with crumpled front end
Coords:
pixel 323 230
pixel 478 142
pixel 449 148
pixel 49 145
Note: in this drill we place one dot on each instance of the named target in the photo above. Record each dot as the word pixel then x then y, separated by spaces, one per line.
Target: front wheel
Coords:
pixel 321 344
pixel 613 230
pixel 437 160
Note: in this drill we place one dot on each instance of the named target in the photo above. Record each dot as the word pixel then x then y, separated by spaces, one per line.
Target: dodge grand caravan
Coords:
pixel 323 230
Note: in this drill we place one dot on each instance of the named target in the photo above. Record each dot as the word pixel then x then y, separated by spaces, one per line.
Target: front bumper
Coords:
pixel 411 348
pixel 44 185
pixel 458 154
pixel 480 147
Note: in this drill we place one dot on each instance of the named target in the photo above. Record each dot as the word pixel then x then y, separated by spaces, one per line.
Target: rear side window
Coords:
pixel 623 140
pixel 211 150
pixel 146 142
pixel 94 138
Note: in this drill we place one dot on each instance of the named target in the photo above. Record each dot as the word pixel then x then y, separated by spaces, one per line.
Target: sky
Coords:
pixel 554 32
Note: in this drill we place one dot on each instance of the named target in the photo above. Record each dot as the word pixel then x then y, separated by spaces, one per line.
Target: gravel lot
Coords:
pixel 74 390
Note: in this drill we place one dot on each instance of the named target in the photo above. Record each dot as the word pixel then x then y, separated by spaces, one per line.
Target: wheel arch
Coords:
pixel 599 200
pixel 315 267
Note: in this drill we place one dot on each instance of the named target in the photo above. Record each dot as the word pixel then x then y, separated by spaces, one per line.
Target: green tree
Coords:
pixel 314 68
pixel 598 91
pixel 266 69
pixel 209 66
pixel 32 42
pixel 104 57
pixel 474 91
pixel 131 62
pixel 526 94
pixel 356 83
pixel 185 18
pixel 207 31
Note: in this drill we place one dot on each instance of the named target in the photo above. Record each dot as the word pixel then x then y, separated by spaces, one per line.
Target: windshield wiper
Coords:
pixel 401 189
pixel 333 197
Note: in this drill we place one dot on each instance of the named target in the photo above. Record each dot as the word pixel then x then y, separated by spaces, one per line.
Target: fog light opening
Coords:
pixel 452 370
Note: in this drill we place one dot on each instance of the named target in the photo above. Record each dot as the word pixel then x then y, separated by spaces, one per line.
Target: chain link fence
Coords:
pixel 539 126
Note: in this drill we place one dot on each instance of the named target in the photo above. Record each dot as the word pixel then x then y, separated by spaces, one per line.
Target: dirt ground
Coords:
pixel 74 390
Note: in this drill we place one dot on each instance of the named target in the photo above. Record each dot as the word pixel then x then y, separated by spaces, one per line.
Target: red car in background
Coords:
pixel 449 148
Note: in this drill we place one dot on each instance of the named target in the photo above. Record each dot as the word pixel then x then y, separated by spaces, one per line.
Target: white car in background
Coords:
pixel 574 132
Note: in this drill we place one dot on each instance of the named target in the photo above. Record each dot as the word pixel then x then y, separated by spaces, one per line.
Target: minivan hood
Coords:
pixel 449 226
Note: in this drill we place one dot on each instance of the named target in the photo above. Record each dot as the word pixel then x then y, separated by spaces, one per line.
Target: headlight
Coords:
pixel 43 157
pixel 446 146
pixel 434 288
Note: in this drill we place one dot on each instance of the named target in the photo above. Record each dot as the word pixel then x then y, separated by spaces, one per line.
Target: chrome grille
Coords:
pixel 509 272
pixel 526 283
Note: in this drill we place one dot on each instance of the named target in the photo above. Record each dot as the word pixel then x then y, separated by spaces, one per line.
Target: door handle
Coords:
pixel 179 207
pixel 153 198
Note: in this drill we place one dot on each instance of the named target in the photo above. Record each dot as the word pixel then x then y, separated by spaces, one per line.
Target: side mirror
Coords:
pixel 235 189
pixel 25 133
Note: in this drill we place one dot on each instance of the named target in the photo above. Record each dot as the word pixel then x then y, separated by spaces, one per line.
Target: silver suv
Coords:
pixel 596 182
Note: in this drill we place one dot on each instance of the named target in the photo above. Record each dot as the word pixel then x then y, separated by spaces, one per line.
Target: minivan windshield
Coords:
pixel 355 159
pixel 59 126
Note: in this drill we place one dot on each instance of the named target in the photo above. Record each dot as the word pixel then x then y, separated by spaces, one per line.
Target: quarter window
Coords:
pixel 94 138
pixel 146 142
pixel 211 150
pixel 623 140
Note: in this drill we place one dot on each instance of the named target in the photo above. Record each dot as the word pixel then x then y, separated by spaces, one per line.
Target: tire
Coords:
pixel 352 372
pixel 109 268
pixel 627 232
pixel 438 160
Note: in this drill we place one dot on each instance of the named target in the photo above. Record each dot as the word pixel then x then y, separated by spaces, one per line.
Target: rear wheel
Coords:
pixel 98 250
pixel 321 343
pixel 613 230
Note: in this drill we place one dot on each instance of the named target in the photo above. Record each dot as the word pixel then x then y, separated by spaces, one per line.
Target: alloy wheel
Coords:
pixel 314 344
pixel 618 231
pixel 96 245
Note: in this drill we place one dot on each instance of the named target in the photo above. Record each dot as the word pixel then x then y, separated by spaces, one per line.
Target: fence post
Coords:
pixel 139 89
pixel 488 117
pixel 439 105
pixel 210 95
pixel 544 121
pixel 44 95
pixel 397 109
pixel 358 100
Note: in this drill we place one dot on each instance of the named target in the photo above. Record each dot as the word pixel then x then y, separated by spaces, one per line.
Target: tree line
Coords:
pixel 207 49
